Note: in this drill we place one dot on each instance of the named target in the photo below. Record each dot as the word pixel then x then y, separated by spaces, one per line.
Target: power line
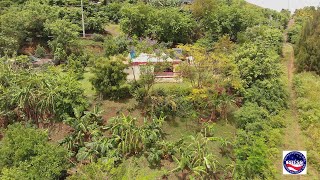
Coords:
pixel 83 28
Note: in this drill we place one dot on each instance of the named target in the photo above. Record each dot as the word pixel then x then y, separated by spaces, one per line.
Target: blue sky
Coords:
pixel 283 4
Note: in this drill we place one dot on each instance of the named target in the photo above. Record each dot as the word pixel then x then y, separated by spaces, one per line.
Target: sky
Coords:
pixel 283 4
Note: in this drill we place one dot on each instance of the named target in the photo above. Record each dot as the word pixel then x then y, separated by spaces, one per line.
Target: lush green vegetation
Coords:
pixel 264 97
pixel 307 84
pixel 307 87
pixel 300 17
pixel 40 96
pixel 306 49
pixel 80 117
pixel 27 154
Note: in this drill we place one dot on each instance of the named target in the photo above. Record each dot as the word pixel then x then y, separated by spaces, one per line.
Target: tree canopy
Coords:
pixel 26 153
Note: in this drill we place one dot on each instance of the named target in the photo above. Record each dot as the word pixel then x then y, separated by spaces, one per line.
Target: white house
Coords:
pixel 169 74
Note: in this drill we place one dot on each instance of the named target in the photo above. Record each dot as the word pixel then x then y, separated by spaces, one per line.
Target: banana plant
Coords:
pixel 129 138
pixel 154 156
pixel 125 133
pixel 194 156
pixel 86 126
pixel 226 147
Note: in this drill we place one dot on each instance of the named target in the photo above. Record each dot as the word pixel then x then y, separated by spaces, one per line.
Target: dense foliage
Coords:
pixel 125 138
pixel 26 153
pixel 226 59
pixel 167 24
pixel 307 47
pixel 37 96
pixel 307 86
pixel 109 79
pixel 299 18
pixel 264 97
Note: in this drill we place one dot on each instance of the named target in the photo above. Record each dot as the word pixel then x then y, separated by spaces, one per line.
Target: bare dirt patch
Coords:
pixel 58 131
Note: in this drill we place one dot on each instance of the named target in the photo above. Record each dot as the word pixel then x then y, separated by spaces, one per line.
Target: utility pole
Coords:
pixel 83 29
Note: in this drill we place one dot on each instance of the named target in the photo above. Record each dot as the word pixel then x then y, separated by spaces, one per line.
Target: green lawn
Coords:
pixel 86 84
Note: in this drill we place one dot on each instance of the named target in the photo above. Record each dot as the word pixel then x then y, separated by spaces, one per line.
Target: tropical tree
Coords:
pixel 135 19
pixel 124 138
pixel 201 69
pixel 39 96
pixel 64 38
pixel 307 51
pixel 109 78
pixel 229 19
pixel 166 24
pixel 134 139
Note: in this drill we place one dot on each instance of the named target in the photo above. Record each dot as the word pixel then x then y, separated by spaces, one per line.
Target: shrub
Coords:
pixel 109 78
pixel 114 46
pixel 257 63
pixel 253 161
pixel 269 94
pixel 165 3
pixel 98 37
pixel 264 36
pixel 40 52
pixel 250 113
pixel 103 169
pixel 294 33
pixel 307 86
pixel 76 65
pixel 25 152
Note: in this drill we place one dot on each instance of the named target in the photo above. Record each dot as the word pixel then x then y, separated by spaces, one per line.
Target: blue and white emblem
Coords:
pixel 295 162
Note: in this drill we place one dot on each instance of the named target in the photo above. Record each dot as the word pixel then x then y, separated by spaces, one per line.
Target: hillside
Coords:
pixel 155 89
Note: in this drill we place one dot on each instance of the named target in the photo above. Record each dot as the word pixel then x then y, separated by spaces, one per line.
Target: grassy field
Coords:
pixel 86 84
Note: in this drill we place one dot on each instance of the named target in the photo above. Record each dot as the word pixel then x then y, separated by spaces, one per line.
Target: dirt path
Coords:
pixel 293 136
pixel 294 139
